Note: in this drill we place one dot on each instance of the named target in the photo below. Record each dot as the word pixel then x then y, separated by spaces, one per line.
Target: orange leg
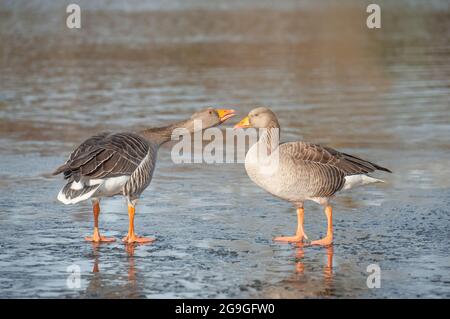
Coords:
pixel 300 234
pixel 96 237
pixel 131 237
pixel 328 239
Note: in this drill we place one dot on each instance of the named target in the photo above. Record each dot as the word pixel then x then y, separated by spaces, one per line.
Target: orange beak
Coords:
pixel 245 122
pixel 225 114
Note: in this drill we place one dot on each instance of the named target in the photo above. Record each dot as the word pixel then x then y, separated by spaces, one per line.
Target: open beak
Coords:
pixel 225 114
pixel 243 123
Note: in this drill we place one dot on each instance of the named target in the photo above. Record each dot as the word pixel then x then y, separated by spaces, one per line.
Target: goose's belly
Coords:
pixel 111 186
pixel 279 182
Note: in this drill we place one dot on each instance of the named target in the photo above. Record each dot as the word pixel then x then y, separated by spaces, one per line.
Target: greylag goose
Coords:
pixel 300 171
pixel 111 164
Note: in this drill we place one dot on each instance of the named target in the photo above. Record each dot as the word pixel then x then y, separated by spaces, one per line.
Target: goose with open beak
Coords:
pixel 300 171
pixel 110 164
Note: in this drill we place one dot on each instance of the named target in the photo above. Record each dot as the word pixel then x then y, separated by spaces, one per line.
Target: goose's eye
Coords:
pixel 210 112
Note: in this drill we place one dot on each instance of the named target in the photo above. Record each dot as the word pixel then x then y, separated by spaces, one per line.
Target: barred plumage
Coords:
pixel 141 176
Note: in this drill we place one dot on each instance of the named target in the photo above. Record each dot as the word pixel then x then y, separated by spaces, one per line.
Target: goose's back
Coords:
pixel 108 164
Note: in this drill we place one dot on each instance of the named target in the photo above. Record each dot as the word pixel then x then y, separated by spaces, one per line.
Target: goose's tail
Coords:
pixel 352 181
pixel 74 192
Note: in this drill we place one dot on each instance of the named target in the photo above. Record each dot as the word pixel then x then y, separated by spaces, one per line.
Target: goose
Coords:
pixel 300 171
pixel 110 164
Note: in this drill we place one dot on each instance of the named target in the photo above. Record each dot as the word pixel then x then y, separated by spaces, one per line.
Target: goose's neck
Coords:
pixel 161 135
pixel 270 138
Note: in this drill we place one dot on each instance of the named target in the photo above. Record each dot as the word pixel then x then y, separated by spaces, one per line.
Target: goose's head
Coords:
pixel 261 117
pixel 210 117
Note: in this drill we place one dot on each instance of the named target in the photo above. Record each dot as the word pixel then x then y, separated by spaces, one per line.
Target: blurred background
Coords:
pixel 382 94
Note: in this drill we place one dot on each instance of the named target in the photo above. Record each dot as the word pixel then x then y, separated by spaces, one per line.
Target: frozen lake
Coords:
pixel 379 94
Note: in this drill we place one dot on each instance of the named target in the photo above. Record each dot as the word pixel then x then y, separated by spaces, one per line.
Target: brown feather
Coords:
pixel 105 155
pixel 348 164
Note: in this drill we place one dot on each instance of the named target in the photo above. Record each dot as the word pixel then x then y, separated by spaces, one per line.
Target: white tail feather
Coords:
pixel 359 180
pixel 63 199
pixel 77 185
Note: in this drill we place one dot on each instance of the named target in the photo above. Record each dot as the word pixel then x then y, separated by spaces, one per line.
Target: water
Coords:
pixel 380 94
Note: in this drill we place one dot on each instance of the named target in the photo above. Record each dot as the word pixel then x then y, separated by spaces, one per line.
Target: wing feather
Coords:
pixel 349 164
pixel 105 155
pixel 324 169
